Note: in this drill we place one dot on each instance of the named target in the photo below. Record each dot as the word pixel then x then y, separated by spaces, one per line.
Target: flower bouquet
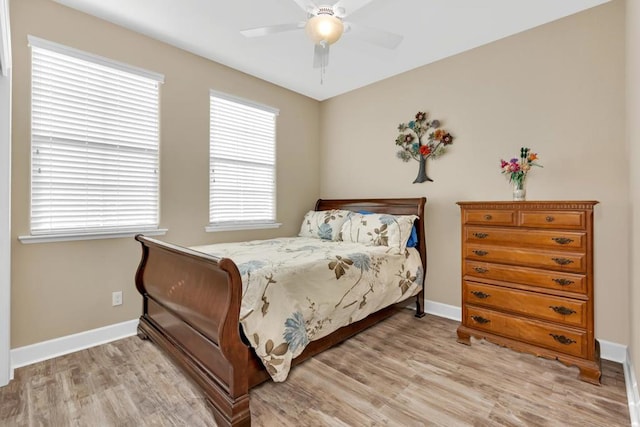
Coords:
pixel 517 169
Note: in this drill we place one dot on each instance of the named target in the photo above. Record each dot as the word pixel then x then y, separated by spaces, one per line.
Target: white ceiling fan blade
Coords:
pixel 306 5
pixel 321 55
pixel 375 36
pixel 265 31
pixel 346 7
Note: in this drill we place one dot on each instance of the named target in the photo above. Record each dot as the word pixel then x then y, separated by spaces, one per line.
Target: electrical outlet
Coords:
pixel 116 298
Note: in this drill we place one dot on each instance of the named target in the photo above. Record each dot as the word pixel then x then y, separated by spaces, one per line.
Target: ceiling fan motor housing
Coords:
pixel 325 10
pixel 324 26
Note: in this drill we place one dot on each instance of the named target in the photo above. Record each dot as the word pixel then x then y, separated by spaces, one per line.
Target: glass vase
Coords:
pixel 519 191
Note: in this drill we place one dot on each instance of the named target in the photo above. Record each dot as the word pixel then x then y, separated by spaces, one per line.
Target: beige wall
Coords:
pixel 633 139
pixel 63 288
pixel 558 89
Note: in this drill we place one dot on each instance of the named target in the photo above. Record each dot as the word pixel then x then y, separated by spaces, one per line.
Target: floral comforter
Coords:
pixel 296 290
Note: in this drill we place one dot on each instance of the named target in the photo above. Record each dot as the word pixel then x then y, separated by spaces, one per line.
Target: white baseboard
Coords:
pixel 612 351
pixel 443 310
pixel 633 396
pixel 27 355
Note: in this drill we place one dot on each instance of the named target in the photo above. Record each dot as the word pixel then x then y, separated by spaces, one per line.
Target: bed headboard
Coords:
pixel 405 206
pixel 401 206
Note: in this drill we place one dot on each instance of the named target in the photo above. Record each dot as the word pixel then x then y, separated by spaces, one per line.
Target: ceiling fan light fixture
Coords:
pixel 324 27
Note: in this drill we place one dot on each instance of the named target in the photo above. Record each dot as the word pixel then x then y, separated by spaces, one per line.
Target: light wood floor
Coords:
pixel 402 372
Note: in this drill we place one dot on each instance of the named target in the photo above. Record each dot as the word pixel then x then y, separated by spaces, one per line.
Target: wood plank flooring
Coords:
pixel 401 372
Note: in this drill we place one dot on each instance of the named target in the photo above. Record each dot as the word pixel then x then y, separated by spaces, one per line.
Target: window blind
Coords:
pixel 94 141
pixel 242 162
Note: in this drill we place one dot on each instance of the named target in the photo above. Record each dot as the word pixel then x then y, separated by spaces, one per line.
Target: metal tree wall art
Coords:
pixel 421 139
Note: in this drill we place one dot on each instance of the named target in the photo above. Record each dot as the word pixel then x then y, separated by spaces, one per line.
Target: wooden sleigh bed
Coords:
pixel 191 309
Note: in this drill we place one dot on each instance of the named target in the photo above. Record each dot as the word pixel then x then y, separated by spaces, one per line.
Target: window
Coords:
pixel 242 164
pixel 94 144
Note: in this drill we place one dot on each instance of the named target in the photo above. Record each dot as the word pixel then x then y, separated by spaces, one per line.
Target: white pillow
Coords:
pixel 378 230
pixel 324 225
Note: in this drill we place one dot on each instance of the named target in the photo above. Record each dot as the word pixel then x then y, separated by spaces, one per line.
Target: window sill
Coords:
pixel 66 237
pixel 213 228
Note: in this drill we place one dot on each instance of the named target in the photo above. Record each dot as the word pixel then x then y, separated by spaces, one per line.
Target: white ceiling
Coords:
pixel 432 30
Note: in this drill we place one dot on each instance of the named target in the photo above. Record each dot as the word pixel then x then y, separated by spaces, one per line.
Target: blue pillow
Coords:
pixel 413 237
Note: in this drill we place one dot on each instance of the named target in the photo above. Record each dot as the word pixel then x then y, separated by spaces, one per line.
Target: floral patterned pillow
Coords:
pixel 324 225
pixel 378 230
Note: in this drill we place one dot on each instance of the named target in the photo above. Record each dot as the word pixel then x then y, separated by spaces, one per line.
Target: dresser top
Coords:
pixel 530 204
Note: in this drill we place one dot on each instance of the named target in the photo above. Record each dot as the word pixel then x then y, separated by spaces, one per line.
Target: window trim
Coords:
pixel 107 232
pixel 90 57
pixel 67 237
pixel 6 368
pixel 244 101
pixel 245 225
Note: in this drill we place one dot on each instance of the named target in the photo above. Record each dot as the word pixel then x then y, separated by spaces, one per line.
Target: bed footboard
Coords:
pixel 191 308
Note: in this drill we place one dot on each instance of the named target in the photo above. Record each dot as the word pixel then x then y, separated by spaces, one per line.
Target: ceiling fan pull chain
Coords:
pixel 322 58
pixel 323 65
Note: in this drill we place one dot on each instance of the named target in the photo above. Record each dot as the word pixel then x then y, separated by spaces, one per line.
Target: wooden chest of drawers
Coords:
pixel 527 279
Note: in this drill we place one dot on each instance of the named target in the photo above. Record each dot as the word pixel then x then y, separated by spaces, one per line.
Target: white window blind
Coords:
pixel 94 143
pixel 242 163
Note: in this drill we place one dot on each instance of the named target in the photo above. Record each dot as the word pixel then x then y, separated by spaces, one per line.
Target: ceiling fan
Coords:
pixel 325 24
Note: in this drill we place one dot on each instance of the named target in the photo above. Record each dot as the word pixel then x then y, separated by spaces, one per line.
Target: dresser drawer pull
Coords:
pixel 562 310
pixel 480 319
pixel 562 240
pixel 488 217
pixel 563 282
pixel 549 218
pixel 481 235
pixel 480 294
pixel 562 261
pixel 480 269
pixel 480 253
pixel 562 339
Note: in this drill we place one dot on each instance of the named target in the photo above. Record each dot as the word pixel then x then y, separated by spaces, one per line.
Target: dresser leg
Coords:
pixel 590 375
pixel 591 371
pixel 463 337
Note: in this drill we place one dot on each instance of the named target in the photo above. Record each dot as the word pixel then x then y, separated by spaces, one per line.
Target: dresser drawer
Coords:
pixel 553 219
pixel 568 311
pixel 526 276
pixel 568 261
pixel 563 339
pixel 493 217
pixel 573 241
